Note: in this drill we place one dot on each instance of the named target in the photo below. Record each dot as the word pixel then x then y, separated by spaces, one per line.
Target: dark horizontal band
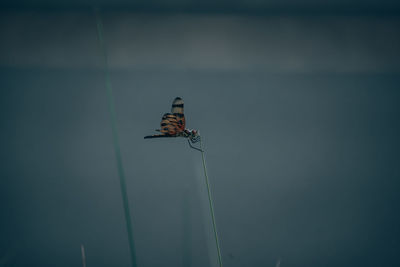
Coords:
pixel 177 105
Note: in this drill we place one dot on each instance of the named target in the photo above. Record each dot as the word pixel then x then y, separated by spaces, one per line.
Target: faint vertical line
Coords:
pixel 83 255
pixel 186 230
pixel 116 141
pixel 211 205
pixel 278 263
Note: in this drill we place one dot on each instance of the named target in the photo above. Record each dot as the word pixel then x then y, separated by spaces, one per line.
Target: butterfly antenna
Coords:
pixel 198 149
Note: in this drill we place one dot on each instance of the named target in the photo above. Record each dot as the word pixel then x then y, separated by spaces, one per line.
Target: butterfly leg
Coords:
pixel 195 139
pixel 193 146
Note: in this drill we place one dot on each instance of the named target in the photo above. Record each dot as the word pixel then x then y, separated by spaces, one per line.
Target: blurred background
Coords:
pixel 297 103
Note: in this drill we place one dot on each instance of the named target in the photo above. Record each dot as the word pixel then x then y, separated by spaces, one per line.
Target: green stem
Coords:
pixel 211 204
pixel 116 141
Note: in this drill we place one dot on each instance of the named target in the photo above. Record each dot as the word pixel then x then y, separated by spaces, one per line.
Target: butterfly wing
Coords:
pixel 172 123
pixel 169 124
pixel 168 127
pixel 177 111
pixel 156 136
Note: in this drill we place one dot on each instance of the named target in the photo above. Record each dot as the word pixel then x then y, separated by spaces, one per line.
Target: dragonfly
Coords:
pixel 174 125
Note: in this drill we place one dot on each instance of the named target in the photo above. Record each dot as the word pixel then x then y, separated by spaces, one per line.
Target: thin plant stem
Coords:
pixel 116 141
pixel 211 205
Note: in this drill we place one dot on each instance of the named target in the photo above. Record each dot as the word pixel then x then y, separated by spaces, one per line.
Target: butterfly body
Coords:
pixel 173 124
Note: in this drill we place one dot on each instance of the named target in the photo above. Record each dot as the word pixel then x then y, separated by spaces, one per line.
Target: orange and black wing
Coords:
pixel 169 127
pixel 177 111
pixel 169 124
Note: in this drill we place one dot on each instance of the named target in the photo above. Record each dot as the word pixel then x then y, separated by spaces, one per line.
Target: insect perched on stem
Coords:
pixel 173 125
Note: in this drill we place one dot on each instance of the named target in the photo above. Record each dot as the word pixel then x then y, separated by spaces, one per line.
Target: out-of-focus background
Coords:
pixel 297 103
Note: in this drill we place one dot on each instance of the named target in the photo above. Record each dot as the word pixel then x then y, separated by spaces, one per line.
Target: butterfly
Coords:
pixel 174 125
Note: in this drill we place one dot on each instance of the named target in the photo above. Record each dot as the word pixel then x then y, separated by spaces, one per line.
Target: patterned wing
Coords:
pixel 177 111
pixel 169 127
pixel 156 136
pixel 169 124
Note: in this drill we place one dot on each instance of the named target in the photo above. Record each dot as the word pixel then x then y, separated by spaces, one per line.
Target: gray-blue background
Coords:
pixel 298 106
